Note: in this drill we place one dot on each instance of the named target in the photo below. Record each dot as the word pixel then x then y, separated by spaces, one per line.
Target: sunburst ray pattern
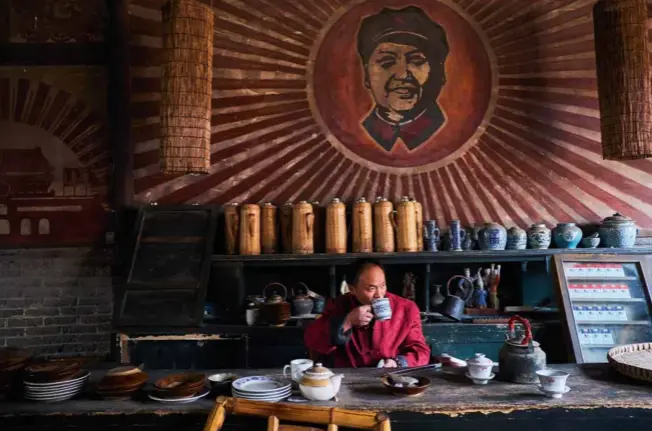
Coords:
pixel 539 159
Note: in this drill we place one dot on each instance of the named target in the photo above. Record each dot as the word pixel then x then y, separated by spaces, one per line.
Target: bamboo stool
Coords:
pixel 275 412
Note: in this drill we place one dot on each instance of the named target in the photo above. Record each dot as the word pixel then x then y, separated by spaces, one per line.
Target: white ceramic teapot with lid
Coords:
pixel 318 383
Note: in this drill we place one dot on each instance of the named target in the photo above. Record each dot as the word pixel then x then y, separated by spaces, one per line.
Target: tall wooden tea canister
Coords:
pixel 336 227
pixel 269 231
pixel 249 230
pixel 303 222
pixel 405 224
pixel 231 227
pixel 363 233
pixel 418 212
pixel 286 227
pixel 383 230
pixel 319 230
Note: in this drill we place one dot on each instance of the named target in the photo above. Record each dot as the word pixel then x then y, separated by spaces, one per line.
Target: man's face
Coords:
pixel 371 285
pixel 396 76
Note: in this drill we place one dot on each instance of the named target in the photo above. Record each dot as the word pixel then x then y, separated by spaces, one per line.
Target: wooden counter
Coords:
pixel 598 397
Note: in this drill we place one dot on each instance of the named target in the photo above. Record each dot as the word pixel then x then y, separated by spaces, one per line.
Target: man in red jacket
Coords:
pixel 348 331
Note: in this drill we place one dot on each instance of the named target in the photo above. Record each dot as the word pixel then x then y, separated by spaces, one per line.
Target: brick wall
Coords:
pixel 56 301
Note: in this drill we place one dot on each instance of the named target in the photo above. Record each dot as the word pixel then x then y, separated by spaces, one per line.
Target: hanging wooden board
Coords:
pixel 166 282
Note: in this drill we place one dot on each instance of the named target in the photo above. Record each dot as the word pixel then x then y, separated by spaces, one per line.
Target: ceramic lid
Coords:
pixel 515 229
pixel 618 219
pixel 480 359
pixel 361 200
pixel 318 371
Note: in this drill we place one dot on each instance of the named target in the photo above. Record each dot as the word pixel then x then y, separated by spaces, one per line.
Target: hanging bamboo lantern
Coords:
pixel 623 71
pixel 186 87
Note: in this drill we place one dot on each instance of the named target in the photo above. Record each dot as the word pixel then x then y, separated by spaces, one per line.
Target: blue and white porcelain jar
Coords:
pixel 492 237
pixel 567 235
pixel 516 239
pixel 618 231
pixel 539 237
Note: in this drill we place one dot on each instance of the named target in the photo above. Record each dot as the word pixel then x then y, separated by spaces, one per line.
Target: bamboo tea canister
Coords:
pixel 319 231
pixel 249 230
pixel 336 227
pixel 286 227
pixel 418 211
pixel 406 226
pixel 383 230
pixel 231 227
pixel 269 230
pixel 363 233
pixel 303 221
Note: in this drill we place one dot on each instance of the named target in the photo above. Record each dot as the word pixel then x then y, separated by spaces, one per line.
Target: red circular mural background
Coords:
pixel 344 102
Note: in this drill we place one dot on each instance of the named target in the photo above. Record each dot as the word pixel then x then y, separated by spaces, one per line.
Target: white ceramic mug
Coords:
pixel 382 309
pixel 251 316
pixel 297 367
pixel 552 380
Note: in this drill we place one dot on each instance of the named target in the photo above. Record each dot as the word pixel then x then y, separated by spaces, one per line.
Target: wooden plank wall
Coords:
pixel 537 156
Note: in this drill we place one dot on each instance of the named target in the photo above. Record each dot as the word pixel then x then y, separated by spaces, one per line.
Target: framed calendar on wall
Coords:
pixel 605 302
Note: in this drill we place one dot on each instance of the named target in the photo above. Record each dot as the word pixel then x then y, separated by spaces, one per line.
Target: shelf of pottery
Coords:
pixel 306 228
pixel 608 306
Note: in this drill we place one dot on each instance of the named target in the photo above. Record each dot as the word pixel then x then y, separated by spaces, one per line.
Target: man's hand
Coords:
pixel 390 363
pixel 359 316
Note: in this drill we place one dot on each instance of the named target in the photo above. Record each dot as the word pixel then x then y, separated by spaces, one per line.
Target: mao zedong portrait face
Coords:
pixel 403 54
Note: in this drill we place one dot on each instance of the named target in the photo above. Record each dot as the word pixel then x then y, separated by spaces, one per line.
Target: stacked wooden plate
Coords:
pixel 121 383
pixel 180 388
pixel 54 380
pixel 12 362
pixel 633 360
pixel 262 388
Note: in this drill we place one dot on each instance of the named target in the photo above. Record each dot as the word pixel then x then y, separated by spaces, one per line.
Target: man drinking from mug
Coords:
pixel 354 332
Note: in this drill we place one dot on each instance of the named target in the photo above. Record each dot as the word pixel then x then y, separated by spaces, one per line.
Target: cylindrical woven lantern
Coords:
pixel 186 76
pixel 623 71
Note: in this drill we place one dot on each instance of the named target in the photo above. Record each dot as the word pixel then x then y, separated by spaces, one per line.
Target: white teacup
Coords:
pixel 480 366
pixel 297 367
pixel 382 309
pixel 552 380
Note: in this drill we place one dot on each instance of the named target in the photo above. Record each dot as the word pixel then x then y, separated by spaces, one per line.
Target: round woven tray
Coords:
pixel 642 370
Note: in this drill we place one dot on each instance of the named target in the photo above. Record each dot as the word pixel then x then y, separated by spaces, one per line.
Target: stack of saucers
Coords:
pixel 12 363
pixel 180 388
pixel 262 388
pixel 121 383
pixel 55 380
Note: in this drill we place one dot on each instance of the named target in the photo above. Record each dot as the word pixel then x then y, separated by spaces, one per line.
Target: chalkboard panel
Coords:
pixel 166 284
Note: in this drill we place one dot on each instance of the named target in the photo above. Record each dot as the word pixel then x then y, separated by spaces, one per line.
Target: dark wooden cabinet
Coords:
pixel 170 265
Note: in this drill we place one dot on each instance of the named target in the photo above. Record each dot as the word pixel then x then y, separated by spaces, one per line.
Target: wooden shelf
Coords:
pixel 323 259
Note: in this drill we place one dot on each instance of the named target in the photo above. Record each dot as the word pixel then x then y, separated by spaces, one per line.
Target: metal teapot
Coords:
pixel 453 306
pixel 520 359
pixel 301 302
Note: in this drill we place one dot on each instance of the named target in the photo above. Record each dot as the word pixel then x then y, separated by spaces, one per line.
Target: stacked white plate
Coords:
pixel 56 391
pixel 262 388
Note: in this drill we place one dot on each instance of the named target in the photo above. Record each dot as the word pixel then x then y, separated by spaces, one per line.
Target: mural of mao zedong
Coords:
pixel 403 53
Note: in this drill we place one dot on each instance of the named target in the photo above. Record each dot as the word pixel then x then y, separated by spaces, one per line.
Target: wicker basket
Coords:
pixel 615 357
pixel 186 87
pixel 623 72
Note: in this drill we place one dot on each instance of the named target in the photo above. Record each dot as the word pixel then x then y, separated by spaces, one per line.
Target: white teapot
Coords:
pixel 318 383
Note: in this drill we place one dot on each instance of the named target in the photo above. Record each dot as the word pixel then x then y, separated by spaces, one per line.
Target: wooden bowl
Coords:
pixel 407 391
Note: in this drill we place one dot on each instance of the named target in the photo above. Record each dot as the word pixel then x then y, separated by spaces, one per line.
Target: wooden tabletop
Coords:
pixel 450 393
